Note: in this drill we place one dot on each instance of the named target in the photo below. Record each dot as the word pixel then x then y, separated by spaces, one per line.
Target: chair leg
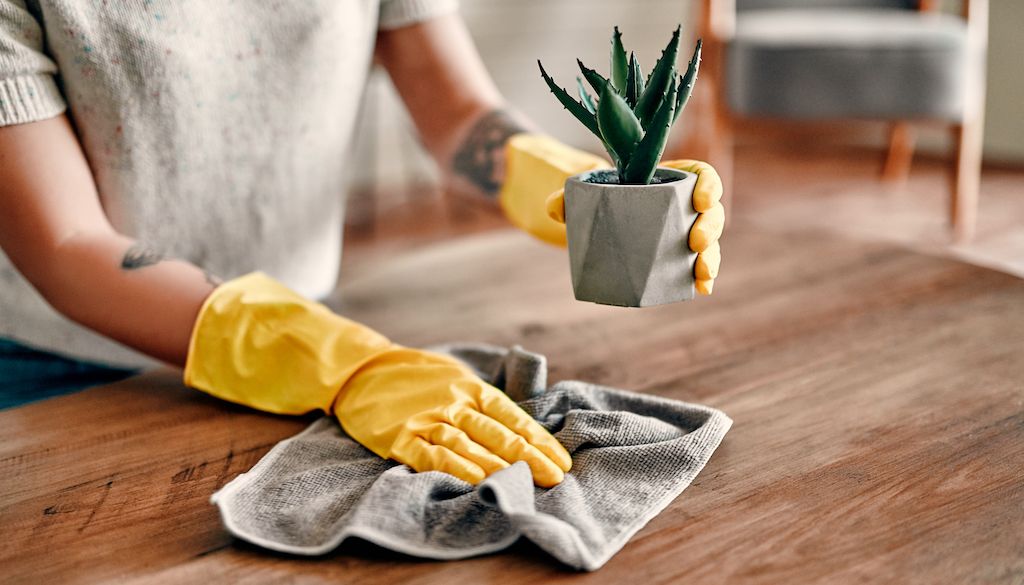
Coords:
pixel 721 154
pixel 711 135
pixel 693 134
pixel 896 170
pixel 967 138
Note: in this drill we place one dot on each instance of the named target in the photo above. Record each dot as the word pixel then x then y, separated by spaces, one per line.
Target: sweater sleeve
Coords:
pixel 399 13
pixel 28 91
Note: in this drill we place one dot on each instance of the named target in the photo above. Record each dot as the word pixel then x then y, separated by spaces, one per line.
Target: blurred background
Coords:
pixel 867 118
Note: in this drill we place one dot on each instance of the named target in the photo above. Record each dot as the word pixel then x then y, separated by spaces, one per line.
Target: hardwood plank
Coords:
pixel 878 396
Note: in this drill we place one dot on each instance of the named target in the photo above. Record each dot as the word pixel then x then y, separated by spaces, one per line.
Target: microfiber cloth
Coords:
pixel 632 454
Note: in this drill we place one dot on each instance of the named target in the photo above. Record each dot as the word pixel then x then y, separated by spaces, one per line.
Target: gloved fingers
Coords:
pixel 708 190
pixel 421 455
pixel 508 445
pixel 555 204
pixel 703 239
pixel 500 407
pixel 707 229
pixel 708 262
pixel 707 193
pixel 704 287
pixel 457 440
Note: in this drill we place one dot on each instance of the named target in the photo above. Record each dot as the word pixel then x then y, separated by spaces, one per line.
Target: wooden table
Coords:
pixel 878 399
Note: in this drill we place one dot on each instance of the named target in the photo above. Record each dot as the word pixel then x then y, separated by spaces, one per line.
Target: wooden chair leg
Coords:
pixel 721 155
pixel 967 136
pixel 896 170
pixel 963 212
pixel 696 136
pixel 711 130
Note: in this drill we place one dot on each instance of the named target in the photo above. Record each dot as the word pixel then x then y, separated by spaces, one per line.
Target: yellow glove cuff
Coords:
pixel 535 166
pixel 258 343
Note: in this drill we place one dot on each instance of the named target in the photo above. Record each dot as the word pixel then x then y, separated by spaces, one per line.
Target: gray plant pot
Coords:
pixel 628 243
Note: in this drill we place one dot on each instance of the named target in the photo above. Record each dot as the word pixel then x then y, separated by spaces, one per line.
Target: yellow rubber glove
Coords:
pixel 431 412
pixel 704 235
pixel 536 165
pixel 706 230
pixel 260 344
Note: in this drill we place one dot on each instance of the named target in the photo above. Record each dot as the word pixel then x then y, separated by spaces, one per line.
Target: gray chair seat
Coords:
pixel 847 63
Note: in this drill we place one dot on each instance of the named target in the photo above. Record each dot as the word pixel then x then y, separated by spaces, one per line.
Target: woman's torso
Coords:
pixel 216 132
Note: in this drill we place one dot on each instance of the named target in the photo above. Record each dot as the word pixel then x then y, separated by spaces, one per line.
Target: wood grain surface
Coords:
pixel 878 399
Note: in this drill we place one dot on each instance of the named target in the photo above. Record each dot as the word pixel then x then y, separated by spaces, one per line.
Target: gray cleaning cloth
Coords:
pixel 632 455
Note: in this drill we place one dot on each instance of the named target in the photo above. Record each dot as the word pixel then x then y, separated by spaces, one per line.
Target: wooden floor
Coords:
pixel 834 189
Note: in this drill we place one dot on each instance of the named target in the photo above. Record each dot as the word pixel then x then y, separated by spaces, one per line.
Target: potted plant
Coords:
pixel 627 227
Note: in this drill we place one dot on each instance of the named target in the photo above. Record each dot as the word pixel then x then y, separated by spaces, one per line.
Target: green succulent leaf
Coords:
pixel 588 102
pixel 632 116
pixel 662 76
pixel 641 166
pixel 619 66
pixel 575 108
pixel 687 81
pixel 619 127
pixel 634 81
pixel 595 79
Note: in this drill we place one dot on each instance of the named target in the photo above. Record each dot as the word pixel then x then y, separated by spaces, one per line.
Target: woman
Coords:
pixel 146 147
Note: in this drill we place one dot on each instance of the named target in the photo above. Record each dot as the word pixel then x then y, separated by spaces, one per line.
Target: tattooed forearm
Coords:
pixel 139 256
pixel 481 158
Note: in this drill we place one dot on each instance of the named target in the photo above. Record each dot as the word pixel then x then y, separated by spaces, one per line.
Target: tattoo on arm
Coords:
pixel 139 256
pixel 481 158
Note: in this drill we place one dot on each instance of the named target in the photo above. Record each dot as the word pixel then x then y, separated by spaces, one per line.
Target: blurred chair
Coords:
pixel 896 60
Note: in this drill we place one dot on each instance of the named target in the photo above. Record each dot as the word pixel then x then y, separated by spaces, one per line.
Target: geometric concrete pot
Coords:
pixel 628 243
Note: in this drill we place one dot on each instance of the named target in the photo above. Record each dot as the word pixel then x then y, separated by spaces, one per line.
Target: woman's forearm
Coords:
pixel 127 291
pixel 54 231
pixel 459 113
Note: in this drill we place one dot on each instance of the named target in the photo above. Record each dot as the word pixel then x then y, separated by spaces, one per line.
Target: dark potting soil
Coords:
pixel 611 177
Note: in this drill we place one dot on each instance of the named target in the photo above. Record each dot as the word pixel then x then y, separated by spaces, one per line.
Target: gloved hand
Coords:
pixel 431 412
pixel 537 167
pixel 260 344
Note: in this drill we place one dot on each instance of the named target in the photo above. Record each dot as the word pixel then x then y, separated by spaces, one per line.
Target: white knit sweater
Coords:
pixel 216 131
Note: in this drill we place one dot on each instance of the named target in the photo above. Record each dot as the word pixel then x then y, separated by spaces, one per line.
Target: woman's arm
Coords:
pixel 54 230
pixel 461 117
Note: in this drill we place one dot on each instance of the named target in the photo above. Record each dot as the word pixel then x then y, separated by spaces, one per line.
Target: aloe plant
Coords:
pixel 631 115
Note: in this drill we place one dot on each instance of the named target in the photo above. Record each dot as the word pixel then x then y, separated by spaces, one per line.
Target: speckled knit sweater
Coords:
pixel 216 131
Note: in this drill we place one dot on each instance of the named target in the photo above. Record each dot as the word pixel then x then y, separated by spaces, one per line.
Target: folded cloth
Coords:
pixel 632 455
